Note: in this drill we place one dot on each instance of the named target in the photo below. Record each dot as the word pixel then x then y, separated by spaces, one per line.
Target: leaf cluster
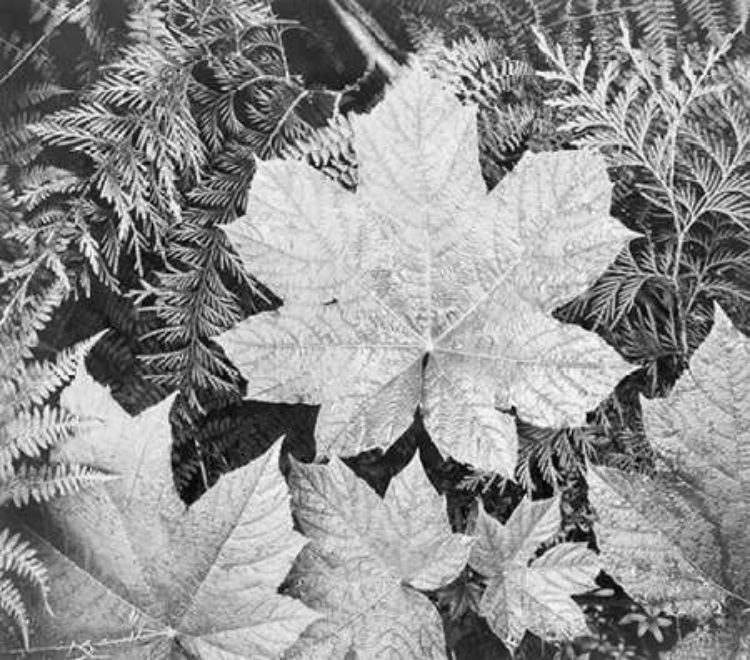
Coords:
pixel 123 161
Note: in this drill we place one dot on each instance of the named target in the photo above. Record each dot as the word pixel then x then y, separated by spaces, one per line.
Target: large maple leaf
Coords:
pixel 422 289
pixel 367 561
pixel 526 592
pixel 681 540
pixel 135 574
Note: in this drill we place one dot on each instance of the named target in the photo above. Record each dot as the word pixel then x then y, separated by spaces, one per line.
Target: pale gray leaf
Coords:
pixel 366 560
pixel 422 264
pixel 680 540
pixel 136 573
pixel 525 593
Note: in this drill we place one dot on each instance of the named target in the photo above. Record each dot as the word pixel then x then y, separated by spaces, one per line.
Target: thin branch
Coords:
pixel 268 144
pixel 54 24
pixel 362 35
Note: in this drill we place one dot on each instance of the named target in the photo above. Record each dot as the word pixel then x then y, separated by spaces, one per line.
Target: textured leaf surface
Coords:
pixel 421 262
pixel 367 559
pixel 664 537
pixel 640 524
pixel 709 644
pixel 135 574
pixel 702 433
pixel 527 593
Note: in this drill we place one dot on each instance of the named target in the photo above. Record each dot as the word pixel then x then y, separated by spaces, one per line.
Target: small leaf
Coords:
pixel 524 593
pixel 367 560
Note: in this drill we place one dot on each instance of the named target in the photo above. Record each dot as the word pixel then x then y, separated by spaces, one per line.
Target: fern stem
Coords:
pixel 287 114
pixel 201 463
pixel 681 230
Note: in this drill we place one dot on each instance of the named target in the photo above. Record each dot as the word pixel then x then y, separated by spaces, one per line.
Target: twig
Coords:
pixel 367 20
pixel 360 30
pixel 54 24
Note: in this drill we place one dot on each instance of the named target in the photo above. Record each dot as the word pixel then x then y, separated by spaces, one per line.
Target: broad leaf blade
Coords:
pixel 538 597
pixel 366 558
pixel 420 265
pixel 526 593
pixel 641 522
pixel 499 546
pixel 680 540
pixel 702 434
pixel 158 576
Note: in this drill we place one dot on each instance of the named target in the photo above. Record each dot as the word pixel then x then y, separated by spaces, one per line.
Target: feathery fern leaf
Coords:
pixel 19 557
pixel 12 606
pixel 248 106
pixel 136 128
pixel 692 173
pixel 40 379
pixel 46 482
pixel 330 150
pixel 196 298
pixel 30 427
pixel 506 92
pixel 667 29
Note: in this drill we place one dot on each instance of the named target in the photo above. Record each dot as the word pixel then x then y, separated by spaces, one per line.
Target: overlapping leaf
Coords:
pixel 525 592
pixel 367 561
pixel 682 539
pixel 421 289
pixel 135 574
pixel 709 643
pixel 640 524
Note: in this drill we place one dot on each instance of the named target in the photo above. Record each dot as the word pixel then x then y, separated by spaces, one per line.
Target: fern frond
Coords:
pixel 331 150
pixel 32 431
pixel 666 29
pixel 19 335
pixel 551 453
pixel 477 70
pixel 30 95
pixel 639 266
pixel 40 183
pixel 717 18
pixel 40 379
pixel 28 426
pixel 24 316
pixel 506 129
pixel 689 171
pixel 22 105
pixel 247 106
pixel 274 118
pixel 657 20
pixel 197 298
pixel 47 482
pixel 19 558
pixel 11 603
pixel 506 92
pixel 136 127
